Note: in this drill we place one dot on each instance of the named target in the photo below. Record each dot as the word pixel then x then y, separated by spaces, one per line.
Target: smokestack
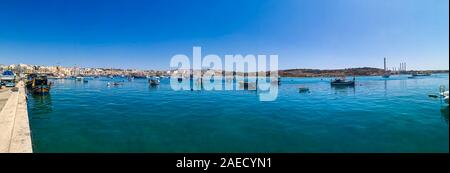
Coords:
pixel 384 63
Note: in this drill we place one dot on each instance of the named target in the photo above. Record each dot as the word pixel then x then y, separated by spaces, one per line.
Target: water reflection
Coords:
pixel 40 105
pixel 153 87
pixel 403 84
pixel 343 89
pixel 444 113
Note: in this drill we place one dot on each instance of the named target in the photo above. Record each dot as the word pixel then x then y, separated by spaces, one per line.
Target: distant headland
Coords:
pixel 364 71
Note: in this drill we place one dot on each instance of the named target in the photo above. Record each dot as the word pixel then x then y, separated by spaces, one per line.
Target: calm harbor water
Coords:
pixel 377 115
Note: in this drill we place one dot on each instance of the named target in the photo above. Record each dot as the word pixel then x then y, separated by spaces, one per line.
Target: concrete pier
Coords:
pixel 15 134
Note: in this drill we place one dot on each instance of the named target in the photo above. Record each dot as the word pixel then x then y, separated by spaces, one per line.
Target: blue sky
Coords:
pixel 322 34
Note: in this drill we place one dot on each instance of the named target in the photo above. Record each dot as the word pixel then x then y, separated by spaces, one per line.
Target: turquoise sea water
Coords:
pixel 377 115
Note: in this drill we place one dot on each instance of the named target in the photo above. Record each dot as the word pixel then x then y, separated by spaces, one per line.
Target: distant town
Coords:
pixel 62 72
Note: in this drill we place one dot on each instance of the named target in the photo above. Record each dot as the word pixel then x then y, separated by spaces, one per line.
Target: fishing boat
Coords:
pixel 342 82
pixel 114 84
pixel 153 81
pixel 29 81
pixel 39 84
pixel 444 94
pixel 421 74
pixel 79 78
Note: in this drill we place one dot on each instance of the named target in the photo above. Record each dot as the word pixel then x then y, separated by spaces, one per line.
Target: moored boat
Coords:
pixel 342 82
pixel 79 78
pixel 153 81
pixel 114 84
pixel 421 74
pixel 39 84
pixel 445 95
pixel 138 76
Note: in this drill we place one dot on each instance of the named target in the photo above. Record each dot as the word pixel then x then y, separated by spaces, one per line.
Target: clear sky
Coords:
pixel 321 34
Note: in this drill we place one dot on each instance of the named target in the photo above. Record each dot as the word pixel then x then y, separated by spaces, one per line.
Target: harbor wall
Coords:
pixel 15 134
